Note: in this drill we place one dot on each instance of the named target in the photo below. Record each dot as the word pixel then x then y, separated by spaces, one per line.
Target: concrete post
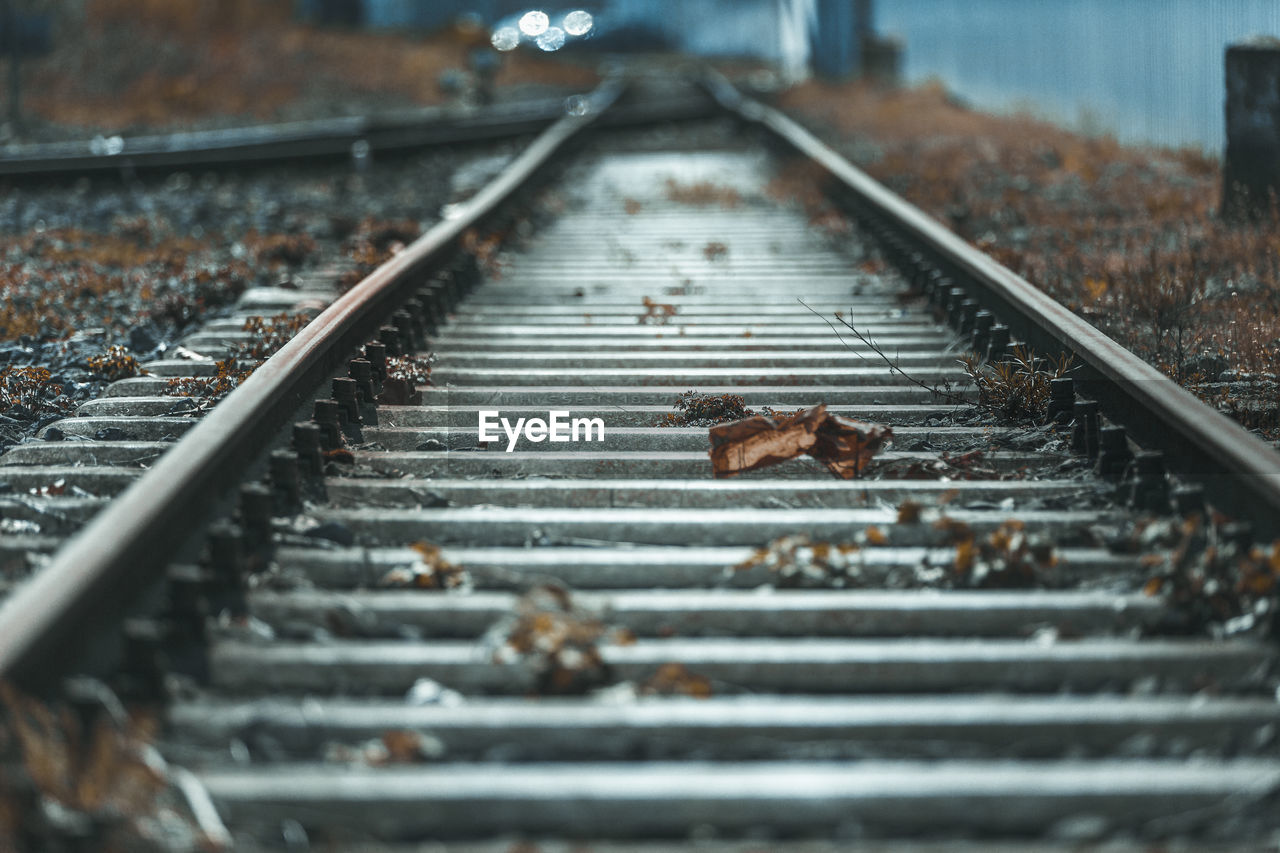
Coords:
pixel 880 57
pixel 833 41
pixel 1251 174
pixel 864 23
pixel 13 46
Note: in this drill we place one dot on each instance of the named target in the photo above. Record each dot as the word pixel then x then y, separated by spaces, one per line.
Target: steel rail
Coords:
pixel 320 138
pixel 290 140
pixel 97 575
pixel 1240 472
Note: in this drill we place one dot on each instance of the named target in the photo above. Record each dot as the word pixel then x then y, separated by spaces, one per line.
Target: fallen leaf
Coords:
pixel 674 679
pixel 656 312
pixel 844 445
pixel 403 746
pixel 797 561
pixel 432 571
pixel 956 531
pixel 559 641
pixel 761 441
pixel 623 637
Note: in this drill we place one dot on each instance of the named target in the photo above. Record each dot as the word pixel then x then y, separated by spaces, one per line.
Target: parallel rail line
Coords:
pixel 866 706
pixel 315 139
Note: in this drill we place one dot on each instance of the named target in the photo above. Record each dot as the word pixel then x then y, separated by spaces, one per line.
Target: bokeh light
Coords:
pixel 505 38
pixel 552 39
pixel 578 23
pixel 534 23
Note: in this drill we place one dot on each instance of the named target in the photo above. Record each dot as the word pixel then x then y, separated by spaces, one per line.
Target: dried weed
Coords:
pixel 1018 389
pixel 431 571
pixel 559 641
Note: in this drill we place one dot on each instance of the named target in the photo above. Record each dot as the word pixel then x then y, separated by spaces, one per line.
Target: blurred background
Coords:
pixel 1144 71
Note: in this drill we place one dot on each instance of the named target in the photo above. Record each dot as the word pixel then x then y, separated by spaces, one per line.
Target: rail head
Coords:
pixel 1240 472
pixel 97 576
pixel 284 142
pixel 321 139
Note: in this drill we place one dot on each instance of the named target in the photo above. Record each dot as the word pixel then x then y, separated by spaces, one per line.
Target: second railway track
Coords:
pixel 714 700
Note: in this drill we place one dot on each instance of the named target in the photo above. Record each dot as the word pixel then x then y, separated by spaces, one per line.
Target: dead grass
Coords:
pixel 31 389
pixel 228 378
pixel 70 278
pixel 704 410
pixel 430 571
pixel 113 364
pixel 1213 582
pixel 1126 237
pixel 1018 389
pixel 267 337
pixel 559 641
pixel 1008 557
pixel 275 250
pixel 372 243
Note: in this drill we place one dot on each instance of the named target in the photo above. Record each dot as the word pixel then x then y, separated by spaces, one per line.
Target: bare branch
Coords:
pixel 943 393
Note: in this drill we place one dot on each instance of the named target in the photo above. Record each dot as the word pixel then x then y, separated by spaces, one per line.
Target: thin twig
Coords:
pixel 939 392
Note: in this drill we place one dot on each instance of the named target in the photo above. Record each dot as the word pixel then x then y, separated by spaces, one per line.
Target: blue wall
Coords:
pixel 1145 70
pixel 432 14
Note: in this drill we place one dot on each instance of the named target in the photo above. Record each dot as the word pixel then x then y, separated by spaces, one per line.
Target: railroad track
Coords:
pixel 623 656
pixel 357 138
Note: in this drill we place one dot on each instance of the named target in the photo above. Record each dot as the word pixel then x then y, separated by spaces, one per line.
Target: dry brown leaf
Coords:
pixel 432 571
pixel 797 561
pixel 909 512
pixel 340 455
pixel 702 194
pixel 559 640
pixel 761 441
pixel 844 445
pixel 656 312
pixel 714 250
pixel 623 637
pixel 403 746
pixel 101 766
pixel 955 531
pixel 674 679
